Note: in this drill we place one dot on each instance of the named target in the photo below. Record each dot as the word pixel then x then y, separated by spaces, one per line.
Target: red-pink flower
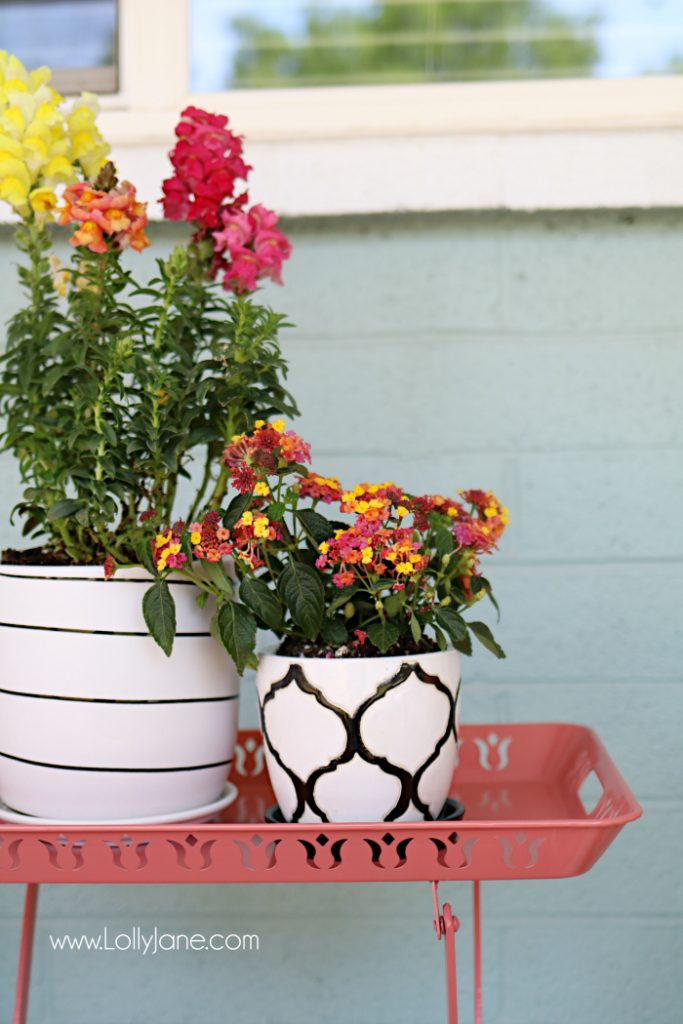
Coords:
pixel 207 163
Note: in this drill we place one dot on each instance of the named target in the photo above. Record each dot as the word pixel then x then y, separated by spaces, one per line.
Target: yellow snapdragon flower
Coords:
pixel 41 145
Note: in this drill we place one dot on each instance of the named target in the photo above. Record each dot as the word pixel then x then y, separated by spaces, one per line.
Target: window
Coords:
pixel 238 44
pixel 430 111
pixel 77 38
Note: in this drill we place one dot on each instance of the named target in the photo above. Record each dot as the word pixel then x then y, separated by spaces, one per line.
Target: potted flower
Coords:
pixel 112 391
pixel 360 703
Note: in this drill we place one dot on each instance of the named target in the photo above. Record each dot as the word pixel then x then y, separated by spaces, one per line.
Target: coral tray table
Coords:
pixel 521 786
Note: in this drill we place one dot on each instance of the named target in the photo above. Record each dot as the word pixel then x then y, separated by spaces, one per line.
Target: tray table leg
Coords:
pixel 476 908
pixel 446 925
pixel 25 954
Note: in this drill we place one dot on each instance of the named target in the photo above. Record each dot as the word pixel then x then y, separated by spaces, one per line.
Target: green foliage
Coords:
pixel 237 630
pixel 383 634
pixel 158 608
pixel 301 588
pixel 257 596
pixel 416 42
pixel 485 637
pixel 110 394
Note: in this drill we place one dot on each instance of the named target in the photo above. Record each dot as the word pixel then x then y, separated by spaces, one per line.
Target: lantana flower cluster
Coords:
pixel 42 146
pixel 395 569
pixel 252 458
pixel 244 245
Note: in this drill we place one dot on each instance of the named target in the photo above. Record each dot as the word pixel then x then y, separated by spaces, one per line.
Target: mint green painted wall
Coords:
pixel 541 356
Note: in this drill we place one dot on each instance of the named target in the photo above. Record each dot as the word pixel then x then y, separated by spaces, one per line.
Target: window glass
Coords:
pixel 274 43
pixel 77 38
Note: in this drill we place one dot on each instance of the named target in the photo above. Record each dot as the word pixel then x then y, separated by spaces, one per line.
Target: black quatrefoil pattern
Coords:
pixel 355 745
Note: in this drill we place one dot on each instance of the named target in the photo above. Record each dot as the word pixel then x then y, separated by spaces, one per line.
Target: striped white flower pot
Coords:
pixel 95 721
pixel 360 739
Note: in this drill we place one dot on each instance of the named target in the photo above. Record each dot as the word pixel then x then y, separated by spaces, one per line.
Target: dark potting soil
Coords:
pixel 34 556
pixel 294 648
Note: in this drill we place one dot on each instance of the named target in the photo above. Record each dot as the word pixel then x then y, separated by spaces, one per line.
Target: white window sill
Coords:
pixel 515 146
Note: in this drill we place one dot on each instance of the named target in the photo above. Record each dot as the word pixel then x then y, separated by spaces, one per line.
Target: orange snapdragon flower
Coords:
pixel 114 216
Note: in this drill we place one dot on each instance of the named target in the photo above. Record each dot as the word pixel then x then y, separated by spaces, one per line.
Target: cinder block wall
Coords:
pixel 541 356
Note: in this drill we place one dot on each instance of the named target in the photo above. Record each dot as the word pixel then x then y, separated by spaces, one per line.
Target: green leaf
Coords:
pixel 415 629
pixel 452 623
pixel 480 583
pixel 235 509
pixel 440 638
pixel 333 632
pixel 258 596
pixel 143 552
pixel 302 591
pixel 52 376
pixel 158 608
pixel 316 526
pixel 485 637
pixel 276 511
pixel 464 646
pixel 443 541
pixel 64 508
pixel 215 573
pixel 383 635
pixel 344 595
pixel 201 598
pixel 392 605
pixel 237 630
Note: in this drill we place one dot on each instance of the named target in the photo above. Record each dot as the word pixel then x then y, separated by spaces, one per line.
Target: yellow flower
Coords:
pixel 174 549
pixel 405 568
pixel 50 147
pixel 401 511
pixel 261 526
pixel 163 538
pixel 196 537
pixel 452 512
pixel 247 518
pixel 259 424
pixel 60 171
pixel 278 425
pixel 262 489
pixel 161 564
pixel 323 548
pixel 43 201
pixel 366 556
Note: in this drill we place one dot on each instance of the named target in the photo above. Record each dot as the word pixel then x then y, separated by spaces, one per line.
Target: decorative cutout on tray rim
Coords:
pixel 519 847
pixel 490 745
pixel 249 757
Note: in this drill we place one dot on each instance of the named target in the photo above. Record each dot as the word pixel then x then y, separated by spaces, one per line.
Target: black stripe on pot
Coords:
pixel 89 579
pixel 88 632
pixel 122 700
pixel 98 768
pixel 304 788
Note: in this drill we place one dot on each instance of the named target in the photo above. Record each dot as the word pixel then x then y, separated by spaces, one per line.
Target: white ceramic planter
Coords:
pixel 360 739
pixel 95 721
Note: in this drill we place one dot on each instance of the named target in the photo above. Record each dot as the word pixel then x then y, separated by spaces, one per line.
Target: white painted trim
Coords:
pixel 517 171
